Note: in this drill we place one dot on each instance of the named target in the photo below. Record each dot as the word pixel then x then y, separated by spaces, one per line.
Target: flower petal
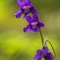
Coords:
pixel 26 29
pixel 30 28
pixel 18 13
pixel 32 20
pixel 40 25
pixel 37 57
pixel 28 18
pixel 49 56
pixel 19 2
pixel 35 29
pixel 27 1
pixel 39 52
pixel 34 11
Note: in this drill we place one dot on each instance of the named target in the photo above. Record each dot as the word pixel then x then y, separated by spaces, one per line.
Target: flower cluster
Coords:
pixel 25 8
pixel 44 53
pixel 34 25
pixel 33 22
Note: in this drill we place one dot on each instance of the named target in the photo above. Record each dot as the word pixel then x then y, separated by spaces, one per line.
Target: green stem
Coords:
pixel 41 36
pixel 52 48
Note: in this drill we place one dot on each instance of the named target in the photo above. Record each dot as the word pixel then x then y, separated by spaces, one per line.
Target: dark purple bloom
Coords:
pixel 44 53
pixel 25 8
pixel 32 20
pixel 33 25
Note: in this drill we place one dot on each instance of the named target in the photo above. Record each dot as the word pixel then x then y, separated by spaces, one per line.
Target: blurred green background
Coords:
pixel 17 45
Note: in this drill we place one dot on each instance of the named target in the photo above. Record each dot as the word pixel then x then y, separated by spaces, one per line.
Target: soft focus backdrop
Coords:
pixel 17 45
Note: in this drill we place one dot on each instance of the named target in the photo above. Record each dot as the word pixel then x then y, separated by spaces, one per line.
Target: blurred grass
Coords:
pixel 17 45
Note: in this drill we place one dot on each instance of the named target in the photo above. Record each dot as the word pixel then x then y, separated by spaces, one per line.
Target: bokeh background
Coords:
pixel 17 45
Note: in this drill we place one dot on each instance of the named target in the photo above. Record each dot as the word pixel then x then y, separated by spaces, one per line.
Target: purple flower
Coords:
pixel 44 53
pixel 25 8
pixel 33 25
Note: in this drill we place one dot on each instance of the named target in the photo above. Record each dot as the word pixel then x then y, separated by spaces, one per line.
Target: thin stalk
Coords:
pixel 53 49
pixel 41 36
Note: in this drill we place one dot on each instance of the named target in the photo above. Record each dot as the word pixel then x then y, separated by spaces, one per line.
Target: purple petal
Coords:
pixel 39 52
pixel 18 13
pixel 27 1
pixel 19 2
pixel 35 29
pixel 26 29
pixel 32 20
pixel 28 18
pixel 30 28
pixel 45 50
pixel 40 25
pixel 49 56
pixel 34 11
pixel 37 57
